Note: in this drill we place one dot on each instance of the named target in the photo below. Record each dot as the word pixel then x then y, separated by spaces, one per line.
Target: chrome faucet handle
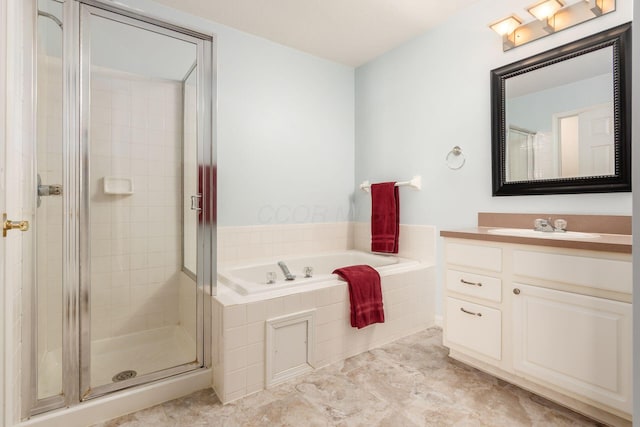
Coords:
pixel 543 225
pixel 560 225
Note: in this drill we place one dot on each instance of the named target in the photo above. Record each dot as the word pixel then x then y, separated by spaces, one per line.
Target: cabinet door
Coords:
pixel 577 342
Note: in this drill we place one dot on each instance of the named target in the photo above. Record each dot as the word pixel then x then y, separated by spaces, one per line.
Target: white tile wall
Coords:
pixel 415 241
pixel 136 247
pixel 187 307
pixel 237 245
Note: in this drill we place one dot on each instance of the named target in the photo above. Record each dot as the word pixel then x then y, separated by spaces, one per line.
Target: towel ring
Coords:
pixel 455 159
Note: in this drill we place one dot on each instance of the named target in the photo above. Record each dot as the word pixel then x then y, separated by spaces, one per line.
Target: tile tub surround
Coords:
pixel 416 241
pixel 239 322
pixel 239 327
pixel 239 244
pixel 409 382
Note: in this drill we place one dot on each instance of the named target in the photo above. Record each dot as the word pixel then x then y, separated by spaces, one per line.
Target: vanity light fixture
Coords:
pixel 506 26
pixel 551 16
pixel 545 9
pixel 597 6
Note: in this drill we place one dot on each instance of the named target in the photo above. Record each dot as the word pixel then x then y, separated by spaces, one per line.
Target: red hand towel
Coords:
pixel 385 217
pixel 365 294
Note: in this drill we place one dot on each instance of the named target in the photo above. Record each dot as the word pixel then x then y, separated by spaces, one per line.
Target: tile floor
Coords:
pixel 410 382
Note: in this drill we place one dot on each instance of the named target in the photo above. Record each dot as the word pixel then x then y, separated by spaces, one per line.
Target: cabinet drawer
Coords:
pixel 474 326
pixel 484 257
pixel 600 273
pixel 476 285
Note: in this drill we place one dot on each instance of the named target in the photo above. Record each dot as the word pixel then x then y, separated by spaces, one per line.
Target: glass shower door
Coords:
pixel 142 215
pixel 118 190
pixel 48 224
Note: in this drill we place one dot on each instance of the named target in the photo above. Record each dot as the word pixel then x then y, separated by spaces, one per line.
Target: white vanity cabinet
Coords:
pixel 553 320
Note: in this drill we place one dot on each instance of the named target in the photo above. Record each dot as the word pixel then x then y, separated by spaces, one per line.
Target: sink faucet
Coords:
pixel 285 271
pixel 545 225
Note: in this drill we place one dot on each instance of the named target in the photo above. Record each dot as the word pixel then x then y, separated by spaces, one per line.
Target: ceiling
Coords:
pixel 351 32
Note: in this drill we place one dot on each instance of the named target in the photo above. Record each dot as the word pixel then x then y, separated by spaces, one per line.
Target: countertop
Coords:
pixel 621 243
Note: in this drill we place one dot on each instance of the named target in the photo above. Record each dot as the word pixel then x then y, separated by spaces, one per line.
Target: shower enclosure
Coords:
pixel 123 224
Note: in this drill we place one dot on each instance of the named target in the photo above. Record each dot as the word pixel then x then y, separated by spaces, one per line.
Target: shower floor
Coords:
pixel 143 352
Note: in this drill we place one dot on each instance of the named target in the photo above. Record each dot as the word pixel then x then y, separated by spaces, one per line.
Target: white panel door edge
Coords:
pixel 3 144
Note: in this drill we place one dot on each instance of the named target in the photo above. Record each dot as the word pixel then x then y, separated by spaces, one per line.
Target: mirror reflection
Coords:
pixel 560 119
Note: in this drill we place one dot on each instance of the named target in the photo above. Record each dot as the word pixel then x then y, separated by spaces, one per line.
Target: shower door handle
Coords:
pixel 195 202
pixel 50 190
pixel 47 190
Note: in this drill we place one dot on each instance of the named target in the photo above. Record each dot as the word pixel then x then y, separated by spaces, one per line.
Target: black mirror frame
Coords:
pixel 620 39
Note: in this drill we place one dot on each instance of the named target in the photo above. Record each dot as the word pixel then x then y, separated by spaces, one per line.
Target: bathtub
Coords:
pixel 252 279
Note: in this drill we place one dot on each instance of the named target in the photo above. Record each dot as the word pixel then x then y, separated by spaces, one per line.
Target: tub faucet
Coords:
pixel 285 271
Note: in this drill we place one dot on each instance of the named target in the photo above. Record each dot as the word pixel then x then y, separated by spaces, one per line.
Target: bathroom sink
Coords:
pixel 525 232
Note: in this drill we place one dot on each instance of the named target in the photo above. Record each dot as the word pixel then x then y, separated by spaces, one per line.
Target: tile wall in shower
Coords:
pixel 136 240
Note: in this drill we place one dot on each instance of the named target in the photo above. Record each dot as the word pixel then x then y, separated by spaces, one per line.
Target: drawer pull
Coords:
pixel 471 283
pixel 470 312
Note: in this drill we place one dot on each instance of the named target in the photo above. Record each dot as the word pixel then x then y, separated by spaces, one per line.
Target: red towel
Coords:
pixel 365 294
pixel 385 217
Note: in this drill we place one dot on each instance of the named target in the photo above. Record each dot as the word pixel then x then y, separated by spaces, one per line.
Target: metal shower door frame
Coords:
pixel 76 357
pixel 204 274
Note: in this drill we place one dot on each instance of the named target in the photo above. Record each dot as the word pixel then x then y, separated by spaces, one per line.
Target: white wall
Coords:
pixel 416 102
pixel 286 129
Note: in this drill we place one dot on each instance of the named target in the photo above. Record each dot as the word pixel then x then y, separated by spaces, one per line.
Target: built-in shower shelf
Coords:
pixel 117 185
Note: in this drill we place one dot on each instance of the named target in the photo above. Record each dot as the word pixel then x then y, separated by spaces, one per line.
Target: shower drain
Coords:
pixel 124 375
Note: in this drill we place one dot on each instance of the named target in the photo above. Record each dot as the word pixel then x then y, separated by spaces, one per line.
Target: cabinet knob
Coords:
pixel 516 291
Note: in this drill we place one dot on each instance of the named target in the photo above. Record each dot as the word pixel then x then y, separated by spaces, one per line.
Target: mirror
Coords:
pixel 561 120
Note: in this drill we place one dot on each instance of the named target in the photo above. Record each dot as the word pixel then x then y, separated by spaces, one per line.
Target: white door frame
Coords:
pixel 18 114
pixel 3 144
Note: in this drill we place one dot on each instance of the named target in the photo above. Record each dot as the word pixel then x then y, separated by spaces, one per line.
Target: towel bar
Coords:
pixel 415 182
